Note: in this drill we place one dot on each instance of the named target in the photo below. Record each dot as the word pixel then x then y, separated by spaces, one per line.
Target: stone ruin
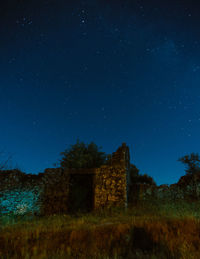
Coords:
pixel 73 190
pixel 82 190
pixel 187 189
pixel 70 190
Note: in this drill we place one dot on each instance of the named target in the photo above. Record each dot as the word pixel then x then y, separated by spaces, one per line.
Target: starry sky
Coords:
pixel 103 71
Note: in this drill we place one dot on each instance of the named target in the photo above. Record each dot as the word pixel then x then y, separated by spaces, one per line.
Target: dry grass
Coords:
pixel 148 230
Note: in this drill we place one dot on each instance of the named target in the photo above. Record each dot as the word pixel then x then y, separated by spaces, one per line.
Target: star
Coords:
pixel 24 21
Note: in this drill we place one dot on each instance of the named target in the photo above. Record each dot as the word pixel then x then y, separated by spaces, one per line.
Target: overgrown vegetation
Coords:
pixel 170 230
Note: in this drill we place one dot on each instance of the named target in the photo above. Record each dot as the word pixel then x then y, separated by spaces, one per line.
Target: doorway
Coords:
pixel 81 193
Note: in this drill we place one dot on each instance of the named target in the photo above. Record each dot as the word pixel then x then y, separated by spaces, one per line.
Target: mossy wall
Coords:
pixel 19 192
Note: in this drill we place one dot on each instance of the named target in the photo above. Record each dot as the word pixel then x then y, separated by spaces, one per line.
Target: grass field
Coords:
pixel 147 230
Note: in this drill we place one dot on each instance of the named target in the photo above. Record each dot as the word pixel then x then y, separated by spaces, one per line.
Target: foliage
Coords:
pixel 145 179
pixel 192 163
pixel 81 155
pixel 135 177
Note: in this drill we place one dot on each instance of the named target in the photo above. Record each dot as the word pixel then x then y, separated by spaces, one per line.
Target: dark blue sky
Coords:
pixel 102 71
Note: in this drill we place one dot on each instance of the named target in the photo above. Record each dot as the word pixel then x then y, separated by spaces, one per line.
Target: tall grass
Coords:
pixel 146 230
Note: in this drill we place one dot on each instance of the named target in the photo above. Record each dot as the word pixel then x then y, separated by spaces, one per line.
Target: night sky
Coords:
pixel 102 71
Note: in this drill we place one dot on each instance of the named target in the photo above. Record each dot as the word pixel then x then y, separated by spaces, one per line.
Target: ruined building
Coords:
pixel 72 190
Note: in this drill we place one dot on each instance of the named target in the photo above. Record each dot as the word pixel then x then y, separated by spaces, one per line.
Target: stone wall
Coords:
pixel 187 188
pixel 110 187
pixel 122 158
pixel 19 192
pixel 20 201
pixel 54 194
pixel 11 179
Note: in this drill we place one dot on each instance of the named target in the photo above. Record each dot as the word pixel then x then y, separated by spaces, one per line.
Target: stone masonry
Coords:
pixel 112 181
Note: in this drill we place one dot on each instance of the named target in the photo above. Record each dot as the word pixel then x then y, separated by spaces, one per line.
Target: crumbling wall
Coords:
pixel 187 188
pixel 112 181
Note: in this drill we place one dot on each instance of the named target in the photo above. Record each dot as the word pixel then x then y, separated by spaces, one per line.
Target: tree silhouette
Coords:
pixel 5 161
pixel 192 163
pixel 81 155
pixel 136 178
